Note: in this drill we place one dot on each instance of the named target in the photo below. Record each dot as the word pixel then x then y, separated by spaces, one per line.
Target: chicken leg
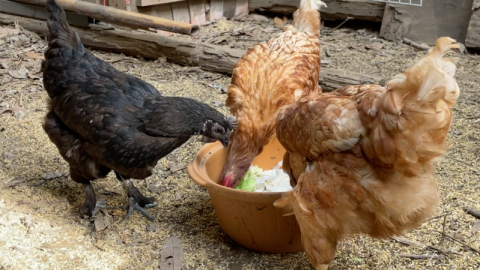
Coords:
pixel 91 206
pixel 136 200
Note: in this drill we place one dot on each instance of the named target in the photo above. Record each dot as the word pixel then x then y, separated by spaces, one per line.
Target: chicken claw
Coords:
pixel 136 200
pixel 99 205
pixel 132 205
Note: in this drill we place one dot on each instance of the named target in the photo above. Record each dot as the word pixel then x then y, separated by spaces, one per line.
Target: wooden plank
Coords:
pixel 331 79
pixel 146 3
pixel 117 16
pixel 241 8
pixel 151 11
pixel 427 23
pixel 132 6
pixel 180 12
pixel 229 8
pixel 197 12
pixel 98 2
pixel 38 12
pixel 473 33
pixel 119 4
pixel 337 9
pixel 164 11
pixel 152 46
pixel 216 10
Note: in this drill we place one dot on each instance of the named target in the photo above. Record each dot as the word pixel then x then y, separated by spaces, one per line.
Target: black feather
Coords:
pixel 102 119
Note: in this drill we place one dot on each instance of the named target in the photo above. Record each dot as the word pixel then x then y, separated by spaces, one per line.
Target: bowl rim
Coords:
pixel 196 171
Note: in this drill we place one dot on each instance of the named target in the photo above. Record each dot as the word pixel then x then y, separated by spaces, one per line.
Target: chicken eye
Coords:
pixel 217 130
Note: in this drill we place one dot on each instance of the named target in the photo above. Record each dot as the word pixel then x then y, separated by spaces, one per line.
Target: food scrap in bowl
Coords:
pixel 258 180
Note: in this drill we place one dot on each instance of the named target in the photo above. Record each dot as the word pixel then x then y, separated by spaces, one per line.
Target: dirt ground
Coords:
pixel 40 226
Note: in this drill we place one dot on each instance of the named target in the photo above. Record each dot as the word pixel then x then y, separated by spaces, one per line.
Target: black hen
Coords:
pixel 101 119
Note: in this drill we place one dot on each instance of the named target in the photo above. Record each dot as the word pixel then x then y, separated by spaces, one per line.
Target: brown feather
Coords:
pixel 269 76
pixel 362 156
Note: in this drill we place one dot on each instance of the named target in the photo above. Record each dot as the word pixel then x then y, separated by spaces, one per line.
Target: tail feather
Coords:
pixel 443 46
pixel 312 4
pixel 430 79
pixel 416 111
pixel 307 16
pixel 60 33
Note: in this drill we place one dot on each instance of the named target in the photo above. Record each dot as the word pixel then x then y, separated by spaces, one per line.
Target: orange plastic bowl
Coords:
pixel 249 218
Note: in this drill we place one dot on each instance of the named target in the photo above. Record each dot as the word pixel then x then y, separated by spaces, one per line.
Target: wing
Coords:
pixel 91 97
pixel 131 86
pixel 366 97
pixel 294 165
pixel 137 156
pixel 320 124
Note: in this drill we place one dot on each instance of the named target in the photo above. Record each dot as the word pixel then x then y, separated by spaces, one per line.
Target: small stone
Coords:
pixel 9 155
pixel 152 227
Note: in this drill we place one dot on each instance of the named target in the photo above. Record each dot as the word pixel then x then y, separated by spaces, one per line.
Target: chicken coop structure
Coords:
pixel 197 12
pixel 405 2
pixel 414 20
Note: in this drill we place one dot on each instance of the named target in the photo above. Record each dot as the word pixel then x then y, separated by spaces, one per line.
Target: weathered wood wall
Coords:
pixel 337 9
pixel 39 12
pixel 205 56
pixel 427 23
pixel 189 11
pixel 473 34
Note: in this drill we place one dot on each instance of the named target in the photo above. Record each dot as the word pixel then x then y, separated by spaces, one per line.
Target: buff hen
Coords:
pixel 361 158
pixel 267 77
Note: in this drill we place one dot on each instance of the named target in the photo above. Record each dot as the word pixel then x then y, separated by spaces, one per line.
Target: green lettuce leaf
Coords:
pixel 249 180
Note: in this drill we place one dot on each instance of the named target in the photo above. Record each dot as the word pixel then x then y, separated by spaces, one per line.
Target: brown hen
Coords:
pixel 266 78
pixel 362 156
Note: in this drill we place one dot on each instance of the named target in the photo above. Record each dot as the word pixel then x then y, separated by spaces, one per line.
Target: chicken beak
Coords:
pixel 226 139
pixel 206 139
pixel 224 142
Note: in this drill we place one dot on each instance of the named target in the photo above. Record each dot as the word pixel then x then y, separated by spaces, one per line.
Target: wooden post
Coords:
pixel 229 8
pixel 241 7
pixel 180 12
pixel 197 12
pixel 216 10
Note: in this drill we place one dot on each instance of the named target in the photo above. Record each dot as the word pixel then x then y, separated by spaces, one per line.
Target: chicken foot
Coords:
pixel 136 200
pixel 91 206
